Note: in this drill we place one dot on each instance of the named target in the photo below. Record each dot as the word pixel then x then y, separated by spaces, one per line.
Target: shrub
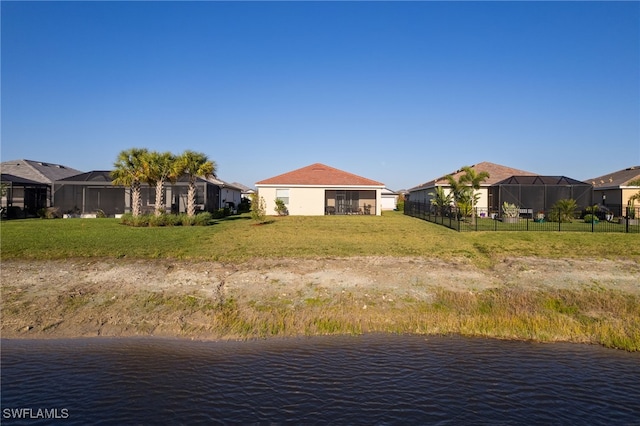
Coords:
pixel 49 213
pixel 258 209
pixel 221 213
pixel 126 219
pixel 510 210
pixel 138 221
pixel 244 206
pixel 186 220
pixel 101 214
pixel 151 220
pixel 589 218
pixel 563 210
pixel 281 208
pixel 160 220
pixel 203 219
pixel 142 220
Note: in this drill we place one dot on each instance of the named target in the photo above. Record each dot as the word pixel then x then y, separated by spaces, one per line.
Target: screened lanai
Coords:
pixel 93 191
pixel 350 202
pixel 539 193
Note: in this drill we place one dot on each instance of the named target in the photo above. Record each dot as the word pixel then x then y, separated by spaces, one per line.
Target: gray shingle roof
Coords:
pixel 496 172
pixel 37 171
pixel 616 179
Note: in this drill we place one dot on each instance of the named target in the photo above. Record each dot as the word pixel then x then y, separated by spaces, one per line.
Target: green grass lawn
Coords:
pixel 239 238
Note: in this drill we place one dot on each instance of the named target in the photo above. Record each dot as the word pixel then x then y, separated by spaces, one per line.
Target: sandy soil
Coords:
pixel 38 297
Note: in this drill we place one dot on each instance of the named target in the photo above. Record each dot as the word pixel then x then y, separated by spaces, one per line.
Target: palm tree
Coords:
pixel 460 193
pixel 160 168
pixel 457 188
pixel 564 209
pixel 474 180
pixel 194 165
pixel 440 199
pixel 129 170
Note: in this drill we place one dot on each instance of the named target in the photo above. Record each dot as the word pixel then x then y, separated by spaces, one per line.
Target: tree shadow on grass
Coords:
pixel 268 222
pixel 234 218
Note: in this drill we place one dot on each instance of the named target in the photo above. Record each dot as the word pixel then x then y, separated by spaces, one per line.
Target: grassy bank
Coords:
pixel 589 314
pixel 597 317
pixel 238 238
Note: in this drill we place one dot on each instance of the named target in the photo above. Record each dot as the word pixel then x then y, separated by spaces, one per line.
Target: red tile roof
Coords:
pixel 319 174
pixel 496 174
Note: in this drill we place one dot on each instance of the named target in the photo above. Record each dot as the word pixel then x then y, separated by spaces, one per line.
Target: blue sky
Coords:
pixel 399 92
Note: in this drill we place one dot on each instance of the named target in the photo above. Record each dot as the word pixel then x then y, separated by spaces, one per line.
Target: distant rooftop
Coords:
pixel 319 174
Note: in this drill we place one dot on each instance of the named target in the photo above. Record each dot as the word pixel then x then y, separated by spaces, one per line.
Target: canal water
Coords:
pixel 370 379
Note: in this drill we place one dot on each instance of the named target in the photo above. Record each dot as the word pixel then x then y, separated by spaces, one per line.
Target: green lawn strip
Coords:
pixel 239 238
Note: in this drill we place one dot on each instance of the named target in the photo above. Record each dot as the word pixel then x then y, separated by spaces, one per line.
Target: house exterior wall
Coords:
pixel 302 201
pixel 230 195
pixel 310 201
pixel 389 201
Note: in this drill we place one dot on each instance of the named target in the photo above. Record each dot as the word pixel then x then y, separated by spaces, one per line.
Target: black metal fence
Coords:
pixel 527 220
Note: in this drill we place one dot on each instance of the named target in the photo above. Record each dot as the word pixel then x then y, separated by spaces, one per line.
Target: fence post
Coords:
pixel 475 217
pixel 626 220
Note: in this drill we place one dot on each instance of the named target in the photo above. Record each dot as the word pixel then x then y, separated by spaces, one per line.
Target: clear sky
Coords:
pixel 399 92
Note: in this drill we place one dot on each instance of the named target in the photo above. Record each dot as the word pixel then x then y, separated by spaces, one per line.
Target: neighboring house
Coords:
pixel 613 190
pixel 319 189
pixel 245 190
pixel 89 192
pixel 497 173
pixel 29 185
pixel 230 194
pixel 389 199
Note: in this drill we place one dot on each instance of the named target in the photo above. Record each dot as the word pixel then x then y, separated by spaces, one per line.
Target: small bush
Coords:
pixel 49 213
pixel 126 219
pixel 100 214
pixel 281 208
pixel 203 219
pixel 151 220
pixel 258 208
pixel 591 218
pixel 244 206
pixel 220 213
pixel 158 220
pixel 510 210
pixel 187 220
pixel 563 210
pixel 142 220
pixel 139 221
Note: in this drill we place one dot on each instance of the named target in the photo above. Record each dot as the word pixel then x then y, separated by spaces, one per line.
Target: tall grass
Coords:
pixel 611 319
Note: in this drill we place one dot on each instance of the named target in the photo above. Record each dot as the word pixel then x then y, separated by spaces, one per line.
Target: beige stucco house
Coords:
pixel 614 189
pixel 318 189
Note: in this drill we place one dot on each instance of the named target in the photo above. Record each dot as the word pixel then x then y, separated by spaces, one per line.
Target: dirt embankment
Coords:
pixel 89 297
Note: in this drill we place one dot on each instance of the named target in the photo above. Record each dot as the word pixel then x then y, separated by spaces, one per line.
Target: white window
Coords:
pixel 283 194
